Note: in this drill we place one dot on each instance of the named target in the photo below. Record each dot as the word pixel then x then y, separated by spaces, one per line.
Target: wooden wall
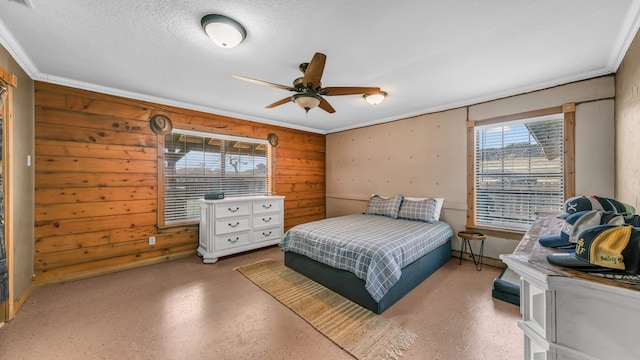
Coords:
pixel 96 181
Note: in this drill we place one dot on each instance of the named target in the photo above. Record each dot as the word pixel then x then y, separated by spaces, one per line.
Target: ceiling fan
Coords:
pixel 308 88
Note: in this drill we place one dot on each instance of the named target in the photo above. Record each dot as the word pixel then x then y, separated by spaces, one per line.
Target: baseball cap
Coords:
pixel 603 248
pixel 582 203
pixel 576 223
pixel 633 220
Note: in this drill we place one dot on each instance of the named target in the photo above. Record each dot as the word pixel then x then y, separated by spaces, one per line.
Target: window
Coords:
pixel 519 168
pixel 196 163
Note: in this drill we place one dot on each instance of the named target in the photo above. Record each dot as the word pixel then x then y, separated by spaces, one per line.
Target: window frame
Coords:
pixel 161 223
pixel 568 110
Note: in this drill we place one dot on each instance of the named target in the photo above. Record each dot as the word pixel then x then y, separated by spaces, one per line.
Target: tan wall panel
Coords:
pixel 421 156
pixel 426 156
pixel 627 133
pixel 595 148
pixel 22 176
pixel 581 91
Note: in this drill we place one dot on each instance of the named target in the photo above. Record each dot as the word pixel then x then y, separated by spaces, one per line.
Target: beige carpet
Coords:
pixel 362 333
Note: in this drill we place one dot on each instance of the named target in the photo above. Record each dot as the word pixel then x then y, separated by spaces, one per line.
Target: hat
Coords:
pixel 576 223
pixel 602 248
pixel 633 220
pixel 582 203
pixel 160 124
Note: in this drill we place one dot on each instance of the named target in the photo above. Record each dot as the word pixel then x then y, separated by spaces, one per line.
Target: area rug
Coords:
pixel 360 332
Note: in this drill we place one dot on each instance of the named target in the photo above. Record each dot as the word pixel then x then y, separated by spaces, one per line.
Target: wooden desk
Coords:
pixel 569 314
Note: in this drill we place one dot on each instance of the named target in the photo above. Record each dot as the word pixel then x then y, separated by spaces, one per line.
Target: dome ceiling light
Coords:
pixel 375 99
pixel 223 31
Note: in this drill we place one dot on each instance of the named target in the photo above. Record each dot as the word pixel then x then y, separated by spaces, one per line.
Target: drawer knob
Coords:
pixel 266 234
pixel 234 210
pixel 233 240
pixel 267 206
pixel 234 225
pixel 266 220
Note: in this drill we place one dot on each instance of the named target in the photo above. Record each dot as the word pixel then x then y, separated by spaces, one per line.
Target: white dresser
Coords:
pixel 569 314
pixel 233 225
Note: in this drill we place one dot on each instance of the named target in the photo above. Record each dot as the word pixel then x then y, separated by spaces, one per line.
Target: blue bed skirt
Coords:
pixel 348 285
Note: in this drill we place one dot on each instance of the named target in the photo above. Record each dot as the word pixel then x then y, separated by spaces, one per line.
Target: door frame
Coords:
pixel 7 165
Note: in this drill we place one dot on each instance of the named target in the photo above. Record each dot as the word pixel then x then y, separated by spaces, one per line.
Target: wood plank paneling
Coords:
pixel 93 165
pixel 97 184
pixel 65 180
pixel 72 195
pixel 76 149
pixel 94 209
pixel 52 244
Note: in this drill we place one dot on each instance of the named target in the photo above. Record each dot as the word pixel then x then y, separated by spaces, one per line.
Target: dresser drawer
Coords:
pixel 267 206
pixel 537 304
pixel 267 219
pixel 236 224
pixel 232 225
pixel 231 241
pixel 267 234
pixel 233 209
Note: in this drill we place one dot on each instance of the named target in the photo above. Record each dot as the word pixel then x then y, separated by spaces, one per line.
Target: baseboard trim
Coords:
pixel 111 269
pixel 17 303
pixel 485 260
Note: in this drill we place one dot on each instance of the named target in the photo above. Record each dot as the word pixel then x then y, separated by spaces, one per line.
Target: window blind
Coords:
pixel 196 163
pixel 519 171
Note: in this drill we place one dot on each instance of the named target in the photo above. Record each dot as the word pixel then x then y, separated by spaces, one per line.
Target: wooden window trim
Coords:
pixel 161 171
pixel 568 110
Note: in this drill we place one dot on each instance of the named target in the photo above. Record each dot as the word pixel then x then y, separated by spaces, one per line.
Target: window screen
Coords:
pixel 518 171
pixel 196 163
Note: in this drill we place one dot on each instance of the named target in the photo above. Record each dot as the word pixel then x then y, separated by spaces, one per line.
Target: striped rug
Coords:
pixel 362 333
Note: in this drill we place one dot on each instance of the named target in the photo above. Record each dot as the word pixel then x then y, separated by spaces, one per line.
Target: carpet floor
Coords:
pixel 184 309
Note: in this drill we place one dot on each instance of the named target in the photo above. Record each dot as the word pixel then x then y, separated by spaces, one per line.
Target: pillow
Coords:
pixel 379 205
pixel 422 209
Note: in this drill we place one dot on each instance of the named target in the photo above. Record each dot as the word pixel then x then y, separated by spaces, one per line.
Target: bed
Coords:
pixel 374 258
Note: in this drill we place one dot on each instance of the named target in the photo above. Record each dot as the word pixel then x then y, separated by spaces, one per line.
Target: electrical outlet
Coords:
pixel 152 240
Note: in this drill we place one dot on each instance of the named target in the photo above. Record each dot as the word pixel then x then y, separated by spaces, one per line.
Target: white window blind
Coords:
pixel 197 163
pixel 519 171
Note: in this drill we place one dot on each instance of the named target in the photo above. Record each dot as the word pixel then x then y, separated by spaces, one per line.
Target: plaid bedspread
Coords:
pixel 375 248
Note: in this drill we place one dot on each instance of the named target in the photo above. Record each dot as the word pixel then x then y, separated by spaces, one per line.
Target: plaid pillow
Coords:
pixel 384 206
pixel 422 210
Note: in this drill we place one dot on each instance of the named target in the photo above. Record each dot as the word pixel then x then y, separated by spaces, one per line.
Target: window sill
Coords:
pixel 496 232
pixel 178 225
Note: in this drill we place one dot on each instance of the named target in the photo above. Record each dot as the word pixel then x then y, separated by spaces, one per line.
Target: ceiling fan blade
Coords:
pixel 260 82
pixel 349 90
pixel 313 74
pixel 279 102
pixel 324 105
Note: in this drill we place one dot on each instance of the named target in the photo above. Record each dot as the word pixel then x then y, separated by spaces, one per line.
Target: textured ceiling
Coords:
pixel 427 55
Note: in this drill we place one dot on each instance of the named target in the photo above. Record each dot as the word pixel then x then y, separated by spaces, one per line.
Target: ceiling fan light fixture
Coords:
pixel 307 101
pixel 375 99
pixel 223 31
